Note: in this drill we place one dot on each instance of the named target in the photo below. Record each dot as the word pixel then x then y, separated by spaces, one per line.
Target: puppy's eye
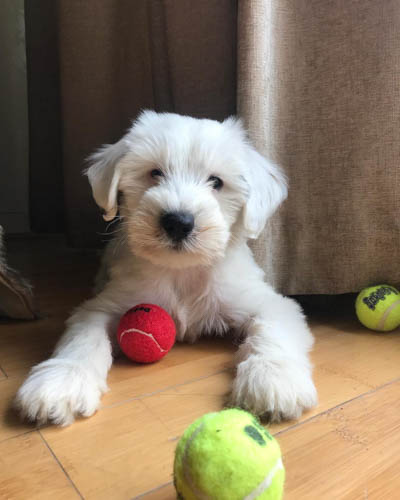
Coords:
pixel 156 172
pixel 216 182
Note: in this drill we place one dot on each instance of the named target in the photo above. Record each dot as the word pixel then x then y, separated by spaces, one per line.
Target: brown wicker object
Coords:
pixel 16 298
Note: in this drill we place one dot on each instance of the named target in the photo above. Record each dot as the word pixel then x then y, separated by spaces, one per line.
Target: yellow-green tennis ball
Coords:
pixel 378 308
pixel 228 456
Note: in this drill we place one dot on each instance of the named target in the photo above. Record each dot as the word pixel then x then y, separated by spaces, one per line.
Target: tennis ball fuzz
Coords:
pixel 378 308
pixel 228 456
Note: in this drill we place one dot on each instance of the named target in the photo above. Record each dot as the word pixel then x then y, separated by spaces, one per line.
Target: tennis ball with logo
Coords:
pixel 378 308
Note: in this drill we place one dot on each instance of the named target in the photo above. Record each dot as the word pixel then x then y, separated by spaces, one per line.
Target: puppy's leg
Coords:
pixel 274 374
pixel 71 382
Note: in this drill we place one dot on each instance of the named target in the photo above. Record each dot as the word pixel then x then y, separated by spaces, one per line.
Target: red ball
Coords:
pixel 146 333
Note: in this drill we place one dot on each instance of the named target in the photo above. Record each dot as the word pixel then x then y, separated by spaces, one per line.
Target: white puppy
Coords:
pixel 191 193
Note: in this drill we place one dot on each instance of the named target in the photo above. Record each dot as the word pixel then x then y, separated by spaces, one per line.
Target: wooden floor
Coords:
pixel 346 448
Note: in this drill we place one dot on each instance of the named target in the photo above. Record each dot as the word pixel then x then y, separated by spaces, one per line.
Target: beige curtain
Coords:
pixel 318 85
pixel 319 88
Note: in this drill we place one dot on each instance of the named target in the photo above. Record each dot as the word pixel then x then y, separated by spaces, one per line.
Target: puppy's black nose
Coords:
pixel 178 225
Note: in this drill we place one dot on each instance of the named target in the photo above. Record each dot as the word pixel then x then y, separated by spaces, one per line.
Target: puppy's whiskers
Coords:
pixel 117 219
pixel 204 229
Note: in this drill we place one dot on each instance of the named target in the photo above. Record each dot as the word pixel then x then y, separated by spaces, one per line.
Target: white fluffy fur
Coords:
pixel 209 285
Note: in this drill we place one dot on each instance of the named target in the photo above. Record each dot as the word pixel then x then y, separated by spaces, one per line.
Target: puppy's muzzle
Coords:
pixel 177 225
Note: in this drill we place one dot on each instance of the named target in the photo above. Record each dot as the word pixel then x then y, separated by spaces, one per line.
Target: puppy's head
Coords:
pixel 188 187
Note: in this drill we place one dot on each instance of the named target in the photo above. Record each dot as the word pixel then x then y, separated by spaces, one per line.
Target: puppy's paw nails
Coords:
pixel 57 391
pixel 273 390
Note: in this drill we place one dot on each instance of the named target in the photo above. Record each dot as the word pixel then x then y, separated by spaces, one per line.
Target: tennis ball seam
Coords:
pixel 267 481
pixel 381 324
pixel 141 332
pixel 185 463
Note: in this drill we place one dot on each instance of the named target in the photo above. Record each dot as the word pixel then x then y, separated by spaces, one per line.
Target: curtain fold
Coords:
pixel 46 198
pixel 319 89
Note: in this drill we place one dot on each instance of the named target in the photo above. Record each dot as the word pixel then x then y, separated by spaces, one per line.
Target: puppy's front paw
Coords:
pixel 57 390
pixel 277 390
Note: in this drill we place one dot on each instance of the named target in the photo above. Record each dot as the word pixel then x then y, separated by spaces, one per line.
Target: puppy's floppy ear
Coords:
pixel 267 189
pixel 104 175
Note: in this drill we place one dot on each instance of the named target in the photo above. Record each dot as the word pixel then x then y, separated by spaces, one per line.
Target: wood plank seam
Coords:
pixel 332 408
pixel 164 389
pixel 153 490
pixel 125 401
pixel 17 435
pixel 3 372
pixel 60 465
